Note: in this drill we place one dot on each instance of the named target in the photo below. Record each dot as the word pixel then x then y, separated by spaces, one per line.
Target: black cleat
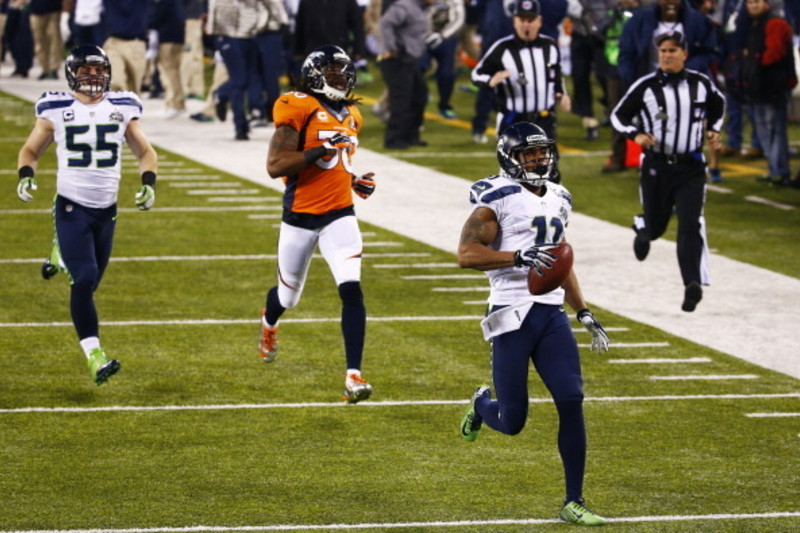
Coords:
pixel 692 296
pixel 641 246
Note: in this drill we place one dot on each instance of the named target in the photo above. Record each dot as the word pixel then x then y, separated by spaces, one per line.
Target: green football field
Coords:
pixel 196 434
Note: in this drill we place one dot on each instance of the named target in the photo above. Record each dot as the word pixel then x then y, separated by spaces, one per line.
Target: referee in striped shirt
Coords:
pixel 525 71
pixel 669 112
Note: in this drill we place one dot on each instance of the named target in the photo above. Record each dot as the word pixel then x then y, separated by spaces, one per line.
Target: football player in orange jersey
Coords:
pixel 315 138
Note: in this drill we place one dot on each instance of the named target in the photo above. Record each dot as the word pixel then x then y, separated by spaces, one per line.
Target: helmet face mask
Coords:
pixel 526 154
pixel 330 72
pixel 88 70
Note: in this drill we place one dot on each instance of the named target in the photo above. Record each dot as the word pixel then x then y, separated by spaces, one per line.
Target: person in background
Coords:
pixel 168 19
pixel 192 77
pixel 517 216
pixel 46 27
pixel 669 113
pixel 315 139
pixel 445 19
pixel 89 126
pixel 403 28
pixel 637 54
pixel 18 37
pixel 524 69
pixel 234 25
pixel 614 87
pixel 768 74
pixel 126 45
pixel 590 18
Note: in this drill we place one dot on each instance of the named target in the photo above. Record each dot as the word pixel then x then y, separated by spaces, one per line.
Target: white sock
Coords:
pixel 351 371
pixel 267 324
pixel 88 344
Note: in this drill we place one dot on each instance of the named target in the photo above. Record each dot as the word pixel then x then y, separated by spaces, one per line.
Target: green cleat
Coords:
pixel 472 421
pixel 100 366
pixel 575 512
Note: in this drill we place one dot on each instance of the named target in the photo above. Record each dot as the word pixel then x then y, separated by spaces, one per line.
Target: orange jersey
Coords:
pixel 326 184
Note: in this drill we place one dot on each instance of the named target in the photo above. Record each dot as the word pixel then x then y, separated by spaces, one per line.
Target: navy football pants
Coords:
pixel 545 338
pixel 85 237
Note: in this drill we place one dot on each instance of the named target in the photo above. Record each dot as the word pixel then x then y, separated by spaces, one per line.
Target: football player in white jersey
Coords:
pixel 518 215
pixel 89 127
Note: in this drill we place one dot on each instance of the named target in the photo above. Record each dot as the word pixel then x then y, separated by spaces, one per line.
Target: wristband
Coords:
pixel 149 178
pixel 25 172
pixel 518 258
pixel 583 312
pixel 315 153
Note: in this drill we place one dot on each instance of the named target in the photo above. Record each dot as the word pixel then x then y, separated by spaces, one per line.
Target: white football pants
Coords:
pixel 339 243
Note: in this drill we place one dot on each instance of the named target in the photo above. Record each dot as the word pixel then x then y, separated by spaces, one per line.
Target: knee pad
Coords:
pixel 351 294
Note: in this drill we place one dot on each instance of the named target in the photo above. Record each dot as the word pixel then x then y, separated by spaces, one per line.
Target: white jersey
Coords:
pixel 89 140
pixel 525 219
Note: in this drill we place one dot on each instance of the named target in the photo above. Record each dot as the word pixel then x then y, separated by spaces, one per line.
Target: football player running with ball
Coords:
pixel 89 126
pixel 516 218
pixel 315 139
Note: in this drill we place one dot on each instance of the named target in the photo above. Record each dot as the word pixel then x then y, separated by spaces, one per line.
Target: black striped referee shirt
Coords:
pixel 535 73
pixel 675 108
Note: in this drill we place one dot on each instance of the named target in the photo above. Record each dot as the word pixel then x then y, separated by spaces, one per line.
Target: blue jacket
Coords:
pixel 168 18
pixel 636 42
pixel 126 19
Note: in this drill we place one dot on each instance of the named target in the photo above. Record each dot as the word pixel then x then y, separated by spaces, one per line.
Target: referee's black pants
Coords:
pixel 665 187
pixel 408 95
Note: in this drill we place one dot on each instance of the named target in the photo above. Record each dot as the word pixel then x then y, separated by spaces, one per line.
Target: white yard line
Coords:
pixel 772 415
pixel 429 524
pixel 373 404
pixel 660 360
pixel 710 377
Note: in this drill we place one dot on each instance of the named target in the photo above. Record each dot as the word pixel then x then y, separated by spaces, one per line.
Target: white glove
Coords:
pixel 340 141
pixel 536 257
pixel 25 185
pixel 152 45
pixel 63 25
pixel 433 40
pixel 599 335
pixel 145 197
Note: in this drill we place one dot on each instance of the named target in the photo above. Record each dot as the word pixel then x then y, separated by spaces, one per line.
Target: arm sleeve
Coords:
pixel 778 41
pixel 623 114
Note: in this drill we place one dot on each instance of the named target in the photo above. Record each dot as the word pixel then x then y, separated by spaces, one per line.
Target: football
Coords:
pixel 552 278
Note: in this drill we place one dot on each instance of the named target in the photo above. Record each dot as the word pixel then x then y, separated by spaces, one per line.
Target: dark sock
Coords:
pixel 354 322
pixel 572 446
pixel 274 307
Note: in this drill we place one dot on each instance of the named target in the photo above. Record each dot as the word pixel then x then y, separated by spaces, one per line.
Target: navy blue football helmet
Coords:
pixel 91 85
pixel 526 154
pixel 328 71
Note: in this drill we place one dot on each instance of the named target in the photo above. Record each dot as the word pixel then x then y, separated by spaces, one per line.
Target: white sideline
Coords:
pixel 406 525
pixel 748 312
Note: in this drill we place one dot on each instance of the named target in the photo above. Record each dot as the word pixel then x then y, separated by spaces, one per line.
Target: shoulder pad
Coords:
pixel 125 98
pixel 492 189
pixel 53 100
pixel 561 192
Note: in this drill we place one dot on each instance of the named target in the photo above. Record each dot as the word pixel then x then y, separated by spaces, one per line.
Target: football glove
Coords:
pixel 433 40
pixel 364 185
pixel 535 257
pixel 24 186
pixel 340 141
pixel 145 197
pixel 599 335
